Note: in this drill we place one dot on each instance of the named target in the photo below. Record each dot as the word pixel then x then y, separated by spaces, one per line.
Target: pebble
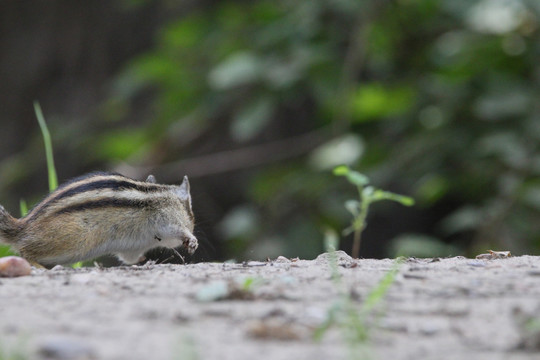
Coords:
pixel 13 266
pixel 66 349
pixel 340 256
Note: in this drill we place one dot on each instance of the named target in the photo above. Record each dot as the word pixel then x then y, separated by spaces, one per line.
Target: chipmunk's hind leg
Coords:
pixel 31 259
pixel 36 264
pixel 9 227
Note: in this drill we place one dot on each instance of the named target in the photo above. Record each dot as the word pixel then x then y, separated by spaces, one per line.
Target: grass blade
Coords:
pixel 24 207
pixel 53 179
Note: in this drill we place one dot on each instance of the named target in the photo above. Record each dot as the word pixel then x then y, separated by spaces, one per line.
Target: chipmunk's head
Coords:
pixel 176 220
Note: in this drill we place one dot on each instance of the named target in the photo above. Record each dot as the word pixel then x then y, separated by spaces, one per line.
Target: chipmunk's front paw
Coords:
pixel 190 243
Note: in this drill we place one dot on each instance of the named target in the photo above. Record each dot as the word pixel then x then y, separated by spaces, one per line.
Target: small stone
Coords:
pixel 339 255
pixel 492 255
pixel 253 263
pixel 474 263
pixel 66 349
pixel 13 266
pixel 274 329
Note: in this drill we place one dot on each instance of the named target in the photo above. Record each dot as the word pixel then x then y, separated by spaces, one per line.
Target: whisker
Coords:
pixel 167 259
pixel 180 256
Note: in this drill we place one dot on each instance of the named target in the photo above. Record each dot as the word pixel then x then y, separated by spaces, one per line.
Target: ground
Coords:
pixel 451 308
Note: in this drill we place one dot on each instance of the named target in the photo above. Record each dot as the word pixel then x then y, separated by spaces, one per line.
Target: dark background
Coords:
pixel 257 101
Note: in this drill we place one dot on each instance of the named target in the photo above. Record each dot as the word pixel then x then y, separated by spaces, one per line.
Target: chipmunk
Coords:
pixel 102 213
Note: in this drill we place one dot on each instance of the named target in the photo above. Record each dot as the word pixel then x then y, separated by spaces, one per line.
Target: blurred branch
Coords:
pixel 353 63
pixel 233 160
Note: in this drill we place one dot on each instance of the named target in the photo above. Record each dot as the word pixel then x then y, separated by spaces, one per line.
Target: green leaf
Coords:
pixel 423 246
pixel 432 188
pixel 186 33
pixel 386 195
pixel 341 170
pixel 348 231
pixel 23 206
pixel 343 150
pixel 121 144
pixel 331 240
pixel 238 69
pixel 368 193
pixel 372 101
pixel 213 291
pixel 353 206
pixel 357 178
pixel 252 119
pixel 5 250
pixel 250 283
pixel 377 294
pixel 466 218
pixel 352 176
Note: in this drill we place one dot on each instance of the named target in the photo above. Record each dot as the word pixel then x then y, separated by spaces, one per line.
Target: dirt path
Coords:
pixel 453 308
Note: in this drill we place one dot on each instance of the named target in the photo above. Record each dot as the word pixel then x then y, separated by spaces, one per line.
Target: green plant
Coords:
pixel 186 348
pixel 250 283
pixel 5 250
pixel 51 170
pixel 352 321
pixel 15 352
pixel 239 288
pixel 359 209
pixel 15 355
pixel 53 179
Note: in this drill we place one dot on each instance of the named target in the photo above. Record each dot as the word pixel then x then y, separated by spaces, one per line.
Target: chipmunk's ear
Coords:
pixel 151 179
pixel 182 191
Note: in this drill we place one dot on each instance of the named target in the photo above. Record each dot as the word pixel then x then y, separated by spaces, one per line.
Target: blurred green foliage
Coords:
pixel 433 98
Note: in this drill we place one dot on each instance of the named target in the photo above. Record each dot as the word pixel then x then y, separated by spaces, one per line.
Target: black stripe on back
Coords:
pixel 105 203
pixel 88 176
pixel 112 184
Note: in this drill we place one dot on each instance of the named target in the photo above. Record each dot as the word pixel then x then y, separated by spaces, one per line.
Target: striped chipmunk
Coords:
pixel 102 213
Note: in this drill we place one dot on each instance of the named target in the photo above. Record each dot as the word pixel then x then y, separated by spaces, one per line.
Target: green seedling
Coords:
pixel 17 352
pixel 359 208
pixel 250 283
pixel 238 289
pixel 186 349
pixel 350 319
pixel 51 169
pixel 53 179
pixel 15 355
pixel 23 206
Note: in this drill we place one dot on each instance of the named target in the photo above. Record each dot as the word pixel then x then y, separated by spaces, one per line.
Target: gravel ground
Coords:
pixel 451 308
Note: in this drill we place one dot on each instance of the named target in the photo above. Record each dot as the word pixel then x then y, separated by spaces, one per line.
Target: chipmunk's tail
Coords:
pixel 8 227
